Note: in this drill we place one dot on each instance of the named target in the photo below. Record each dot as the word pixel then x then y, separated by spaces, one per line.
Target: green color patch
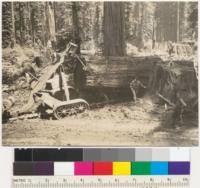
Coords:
pixel 140 168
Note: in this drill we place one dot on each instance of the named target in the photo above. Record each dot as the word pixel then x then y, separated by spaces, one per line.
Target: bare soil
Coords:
pixel 124 124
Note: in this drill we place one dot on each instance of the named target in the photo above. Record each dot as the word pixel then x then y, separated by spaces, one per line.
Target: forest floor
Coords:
pixel 122 124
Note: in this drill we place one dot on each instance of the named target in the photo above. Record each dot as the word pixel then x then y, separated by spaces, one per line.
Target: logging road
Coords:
pixel 125 124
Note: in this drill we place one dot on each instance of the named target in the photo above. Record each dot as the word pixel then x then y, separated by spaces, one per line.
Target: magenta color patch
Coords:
pixel 83 168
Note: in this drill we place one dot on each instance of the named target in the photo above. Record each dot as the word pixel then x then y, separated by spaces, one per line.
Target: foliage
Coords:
pixel 6 24
pixel 144 21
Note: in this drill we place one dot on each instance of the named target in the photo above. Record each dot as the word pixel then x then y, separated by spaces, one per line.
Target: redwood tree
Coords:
pixel 114 29
pixel 75 20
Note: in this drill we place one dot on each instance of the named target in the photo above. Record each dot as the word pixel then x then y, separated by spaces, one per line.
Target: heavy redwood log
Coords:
pixel 119 71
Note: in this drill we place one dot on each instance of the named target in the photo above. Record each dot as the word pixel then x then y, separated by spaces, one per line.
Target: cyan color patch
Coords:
pixel 159 168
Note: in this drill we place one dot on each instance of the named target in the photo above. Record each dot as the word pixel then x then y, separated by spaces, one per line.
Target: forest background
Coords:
pixel 139 25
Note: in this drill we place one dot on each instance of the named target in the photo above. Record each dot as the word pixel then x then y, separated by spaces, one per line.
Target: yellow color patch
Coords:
pixel 121 168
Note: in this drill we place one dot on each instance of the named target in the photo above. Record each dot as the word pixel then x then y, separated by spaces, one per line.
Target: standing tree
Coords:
pixel 54 12
pixel 75 20
pixel 8 24
pixel 178 23
pixel 96 27
pixel 13 25
pixel 114 29
pixel 193 20
pixel 141 28
pixel 50 19
pixel 21 22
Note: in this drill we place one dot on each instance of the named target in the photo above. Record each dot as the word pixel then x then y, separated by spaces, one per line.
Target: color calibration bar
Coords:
pixel 101 182
pixel 101 161
pixel 103 154
pixel 100 168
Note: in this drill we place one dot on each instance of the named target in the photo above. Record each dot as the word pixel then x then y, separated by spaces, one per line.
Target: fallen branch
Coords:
pixel 165 99
pixel 14 88
pixel 25 116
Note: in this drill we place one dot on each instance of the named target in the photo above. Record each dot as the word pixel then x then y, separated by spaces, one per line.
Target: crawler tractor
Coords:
pixel 50 92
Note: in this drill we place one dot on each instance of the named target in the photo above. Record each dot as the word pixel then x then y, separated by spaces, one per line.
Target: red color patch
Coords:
pixel 102 168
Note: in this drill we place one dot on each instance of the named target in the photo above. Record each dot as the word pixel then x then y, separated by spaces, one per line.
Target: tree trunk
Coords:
pixel 183 19
pixel 13 37
pixel 29 18
pixel 44 27
pixel 178 22
pixel 50 21
pixel 33 25
pixel 141 40
pixel 13 20
pixel 137 18
pixel 26 22
pixel 21 17
pixel 154 34
pixel 75 21
pixel 96 27
pixel 114 29
pixel 54 11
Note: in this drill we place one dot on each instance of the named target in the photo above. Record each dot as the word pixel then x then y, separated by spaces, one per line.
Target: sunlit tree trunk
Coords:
pixel 178 23
pixel 21 18
pixel 141 40
pixel 50 21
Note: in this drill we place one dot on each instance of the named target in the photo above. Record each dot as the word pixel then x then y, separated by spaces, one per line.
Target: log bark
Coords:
pixel 119 71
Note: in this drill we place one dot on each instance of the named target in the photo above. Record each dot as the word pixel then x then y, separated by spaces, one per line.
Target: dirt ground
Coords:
pixel 124 124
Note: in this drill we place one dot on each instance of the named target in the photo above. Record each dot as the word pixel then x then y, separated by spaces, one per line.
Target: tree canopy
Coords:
pixel 27 22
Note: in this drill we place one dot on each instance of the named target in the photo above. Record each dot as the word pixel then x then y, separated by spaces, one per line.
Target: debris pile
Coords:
pixel 175 83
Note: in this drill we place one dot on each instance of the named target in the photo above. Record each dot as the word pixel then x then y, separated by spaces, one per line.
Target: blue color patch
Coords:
pixel 159 168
